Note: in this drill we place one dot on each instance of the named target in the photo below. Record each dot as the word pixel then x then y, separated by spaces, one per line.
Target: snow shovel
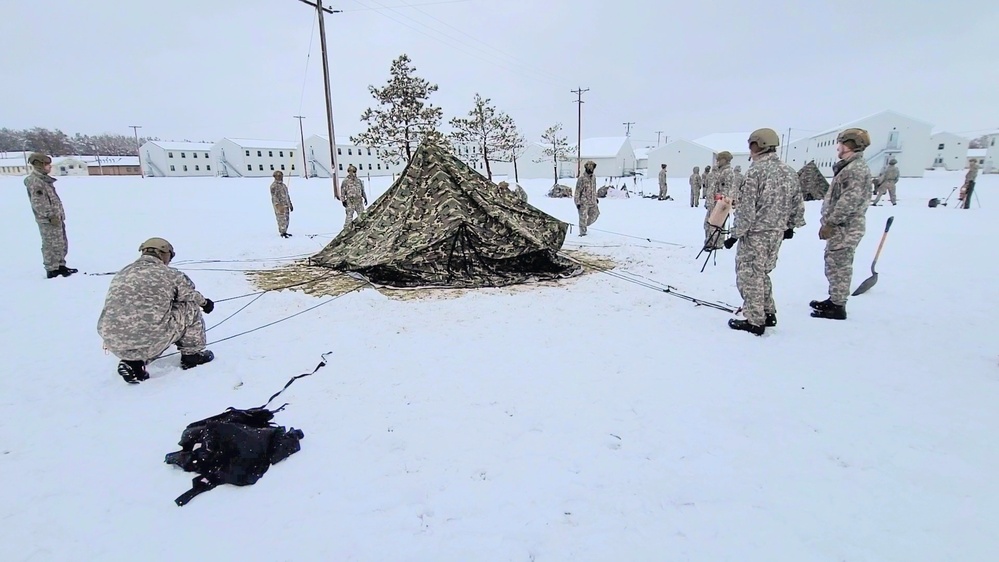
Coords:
pixel 870 281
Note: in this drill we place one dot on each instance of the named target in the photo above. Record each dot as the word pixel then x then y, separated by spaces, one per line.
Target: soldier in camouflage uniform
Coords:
pixel 49 214
pixel 695 186
pixel 354 198
pixel 585 197
pixel 738 176
pixel 843 220
pixel 706 186
pixel 721 184
pixel 770 208
pixel 663 188
pixel 887 181
pixel 972 174
pixel 149 307
pixel 282 203
pixel 519 192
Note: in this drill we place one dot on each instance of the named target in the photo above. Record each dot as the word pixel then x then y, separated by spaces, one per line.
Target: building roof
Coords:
pixel 111 161
pixel 732 142
pixel 340 141
pixel 849 124
pixel 601 147
pixel 684 141
pixel 642 152
pixel 192 146
pixel 12 161
pixel 977 152
pixel 938 133
pixel 259 143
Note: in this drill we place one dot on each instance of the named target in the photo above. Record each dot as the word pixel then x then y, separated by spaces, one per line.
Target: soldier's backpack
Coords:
pixel 235 447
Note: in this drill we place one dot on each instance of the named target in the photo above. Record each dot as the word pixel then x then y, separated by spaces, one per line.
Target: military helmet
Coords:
pixel 860 137
pixel 724 155
pixel 765 139
pixel 893 161
pixel 503 184
pixel 278 174
pixel 351 169
pixel 158 244
pixel 697 169
pixel 37 158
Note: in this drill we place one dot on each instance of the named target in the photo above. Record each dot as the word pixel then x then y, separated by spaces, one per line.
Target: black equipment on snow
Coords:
pixel 235 447
pixel 934 202
pixel 870 281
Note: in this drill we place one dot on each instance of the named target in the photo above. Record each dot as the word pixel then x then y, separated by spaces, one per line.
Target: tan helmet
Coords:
pixel 861 138
pixel 39 159
pixel 503 184
pixel 766 139
pixel 159 245
pixel 724 156
pixel 738 168
pixel 697 169
pixel 893 161
pixel 351 169
pixel 278 174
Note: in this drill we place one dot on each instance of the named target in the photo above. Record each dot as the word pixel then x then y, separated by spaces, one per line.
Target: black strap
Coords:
pixel 199 485
pixel 321 364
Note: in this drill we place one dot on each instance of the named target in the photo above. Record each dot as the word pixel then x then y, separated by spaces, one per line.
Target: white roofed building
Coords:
pixel 736 143
pixel 949 151
pixel 112 165
pixel 256 158
pixel 14 164
pixel 614 156
pixel 530 168
pixel 166 159
pixel 977 155
pixel 368 161
pixel 68 166
pixel 680 157
pixel 991 153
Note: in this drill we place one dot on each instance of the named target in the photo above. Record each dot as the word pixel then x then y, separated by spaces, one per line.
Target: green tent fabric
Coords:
pixel 813 184
pixel 442 224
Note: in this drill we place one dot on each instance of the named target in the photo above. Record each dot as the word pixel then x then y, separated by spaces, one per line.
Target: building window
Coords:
pixel 369 152
pixel 291 154
pixel 369 166
pixel 185 167
pixel 341 167
pixel 379 166
pixel 292 167
pixel 349 153
pixel 209 168
pixel 195 155
pixel 282 167
pixel 197 168
pixel 261 167
pixel 259 155
pixel 247 152
pixel 206 155
pixel 281 154
pixel 173 168
pixel 272 167
pixel 183 155
pixel 249 167
pixel 339 151
pixel 940 147
pixel 169 154
pixel 270 154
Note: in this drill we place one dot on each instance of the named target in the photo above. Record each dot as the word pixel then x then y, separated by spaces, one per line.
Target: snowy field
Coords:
pixel 594 420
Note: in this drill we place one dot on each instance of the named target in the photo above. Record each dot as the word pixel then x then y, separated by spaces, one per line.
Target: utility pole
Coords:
pixel 659 135
pixel 321 11
pixel 301 133
pixel 787 145
pixel 579 127
pixel 628 124
pixel 138 150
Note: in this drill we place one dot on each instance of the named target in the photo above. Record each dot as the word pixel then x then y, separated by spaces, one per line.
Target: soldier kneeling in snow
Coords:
pixel 149 307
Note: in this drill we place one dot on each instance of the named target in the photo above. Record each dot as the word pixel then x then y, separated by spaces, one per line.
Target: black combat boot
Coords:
pixel 833 312
pixel 195 359
pixel 822 305
pixel 67 271
pixel 133 371
pixel 745 326
pixel 53 274
pixel 771 320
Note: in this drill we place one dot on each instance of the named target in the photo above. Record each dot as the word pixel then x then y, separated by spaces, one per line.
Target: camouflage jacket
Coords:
pixel 662 177
pixel 45 202
pixel 889 175
pixel 279 195
pixel 695 183
pixel 351 189
pixel 769 198
pixel 738 178
pixel 706 185
pixel 848 199
pixel 722 182
pixel 972 172
pixel 586 190
pixel 521 193
pixel 139 310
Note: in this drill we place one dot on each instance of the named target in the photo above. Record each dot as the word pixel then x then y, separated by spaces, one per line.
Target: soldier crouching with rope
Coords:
pixel 149 307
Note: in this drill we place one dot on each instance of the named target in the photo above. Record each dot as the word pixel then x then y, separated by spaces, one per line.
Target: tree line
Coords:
pixel 58 143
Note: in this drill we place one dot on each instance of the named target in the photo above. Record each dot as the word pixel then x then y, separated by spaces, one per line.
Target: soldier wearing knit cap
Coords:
pixel 49 214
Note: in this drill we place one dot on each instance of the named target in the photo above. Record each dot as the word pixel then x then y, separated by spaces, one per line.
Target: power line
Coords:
pixel 628 124
pixel 406 6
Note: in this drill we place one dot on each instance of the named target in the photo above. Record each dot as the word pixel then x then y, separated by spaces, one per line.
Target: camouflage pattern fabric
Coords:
pixel 354 198
pixel 663 188
pixel 50 216
pixel 720 184
pixel 844 209
pixel 519 191
pixel 281 201
pixel 972 174
pixel 442 224
pixel 723 181
pixel 886 184
pixel 149 307
pixel 695 188
pixel 585 198
pixel 738 177
pixel 706 189
pixel 813 184
pixel 755 258
pixel 602 192
pixel 560 191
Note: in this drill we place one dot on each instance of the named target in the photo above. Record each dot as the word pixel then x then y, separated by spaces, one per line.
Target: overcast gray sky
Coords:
pixel 205 69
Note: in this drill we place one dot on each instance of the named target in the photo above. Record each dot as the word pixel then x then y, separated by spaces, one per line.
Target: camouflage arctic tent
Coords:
pixel 441 224
pixel 813 184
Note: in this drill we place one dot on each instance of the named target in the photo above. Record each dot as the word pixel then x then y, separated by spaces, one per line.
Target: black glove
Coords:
pixel 208 307
pixel 730 242
pixel 789 234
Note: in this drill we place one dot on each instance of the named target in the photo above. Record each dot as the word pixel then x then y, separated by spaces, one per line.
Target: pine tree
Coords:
pixel 556 147
pixel 512 147
pixel 403 116
pixel 486 128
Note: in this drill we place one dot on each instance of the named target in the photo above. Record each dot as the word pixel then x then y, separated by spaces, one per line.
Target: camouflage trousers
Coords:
pixel 755 258
pixel 840 248
pixel 588 215
pixel 282 215
pixel 352 207
pixel 55 246
pixel 663 190
pixel 185 327
pixel 889 187
pixel 695 194
pixel 713 238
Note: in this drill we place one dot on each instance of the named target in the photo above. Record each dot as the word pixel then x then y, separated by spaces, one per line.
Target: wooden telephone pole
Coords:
pixel 579 127
pixel 628 125
pixel 138 150
pixel 321 12
pixel 301 134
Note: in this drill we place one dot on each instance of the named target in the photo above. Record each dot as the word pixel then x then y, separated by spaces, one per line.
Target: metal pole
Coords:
pixel 301 134
pixel 138 149
pixel 659 136
pixel 329 97
pixel 628 124
pixel 579 128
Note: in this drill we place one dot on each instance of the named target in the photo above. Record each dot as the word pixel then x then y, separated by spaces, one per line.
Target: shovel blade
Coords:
pixel 866 285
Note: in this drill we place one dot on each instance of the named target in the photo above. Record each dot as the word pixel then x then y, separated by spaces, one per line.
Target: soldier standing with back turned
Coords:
pixel 663 187
pixel 282 203
pixel 695 187
pixel 49 214
pixel 886 183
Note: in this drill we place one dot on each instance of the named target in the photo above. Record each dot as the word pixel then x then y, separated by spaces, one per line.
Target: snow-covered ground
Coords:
pixel 594 420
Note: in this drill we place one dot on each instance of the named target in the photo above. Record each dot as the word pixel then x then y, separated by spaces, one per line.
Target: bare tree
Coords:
pixel 403 116
pixel 513 146
pixel 485 127
pixel 556 147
